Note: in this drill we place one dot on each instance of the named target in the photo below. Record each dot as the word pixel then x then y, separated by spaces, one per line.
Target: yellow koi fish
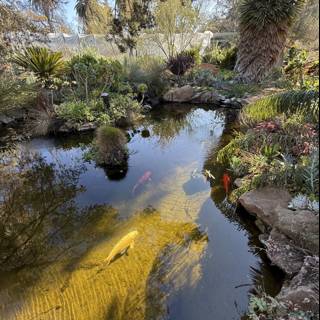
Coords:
pixel 122 246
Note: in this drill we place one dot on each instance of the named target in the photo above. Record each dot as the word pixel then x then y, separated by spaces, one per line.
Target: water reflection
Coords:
pixel 194 258
pixel 36 202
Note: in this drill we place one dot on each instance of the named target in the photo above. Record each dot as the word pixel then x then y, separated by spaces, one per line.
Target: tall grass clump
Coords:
pixel 111 146
pixel 288 103
pixel 147 71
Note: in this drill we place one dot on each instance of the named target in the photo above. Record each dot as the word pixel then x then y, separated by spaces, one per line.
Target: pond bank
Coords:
pixel 292 243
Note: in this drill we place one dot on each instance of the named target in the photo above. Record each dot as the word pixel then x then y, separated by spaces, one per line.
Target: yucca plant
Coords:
pixel 264 27
pixel 45 64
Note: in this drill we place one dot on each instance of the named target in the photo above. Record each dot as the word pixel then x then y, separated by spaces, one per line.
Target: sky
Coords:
pixel 71 14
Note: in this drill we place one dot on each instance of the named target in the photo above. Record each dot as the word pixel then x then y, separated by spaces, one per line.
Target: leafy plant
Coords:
pixel 123 107
pixel 310 173
pixel 15 92
pixel 181 63
pixel 222 57
pixel 44 63
pixel 93 74
pixel 146 70
pixel 202 78
pixel 80 112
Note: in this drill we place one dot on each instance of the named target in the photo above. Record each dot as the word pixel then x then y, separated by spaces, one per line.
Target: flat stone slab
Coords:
pixel 263 203
pixel 302 226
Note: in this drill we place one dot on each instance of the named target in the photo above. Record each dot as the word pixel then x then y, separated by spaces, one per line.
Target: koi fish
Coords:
pixel 145 178
pixel 209 175
pixel 226 179
pixel 122 246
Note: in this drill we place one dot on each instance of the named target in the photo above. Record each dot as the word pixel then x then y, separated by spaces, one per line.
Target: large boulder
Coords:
pixel 302 226
pixel 183 94
pixel 302 291
pixel 282 252
pixel 263 203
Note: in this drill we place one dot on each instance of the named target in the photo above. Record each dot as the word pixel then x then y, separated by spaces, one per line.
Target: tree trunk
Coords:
pixel 259 51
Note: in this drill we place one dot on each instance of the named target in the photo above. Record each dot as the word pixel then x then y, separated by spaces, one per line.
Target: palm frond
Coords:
pixel 288 103
pixel 259 13
pixel 82 7
pixel 43 62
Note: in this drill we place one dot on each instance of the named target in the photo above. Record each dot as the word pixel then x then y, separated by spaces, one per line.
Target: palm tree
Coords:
pixel 264 28
pixel 47 7
pixel 82 8
pixel 94 15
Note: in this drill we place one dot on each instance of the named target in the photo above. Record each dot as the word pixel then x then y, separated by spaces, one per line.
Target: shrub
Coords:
pixel 123 107
pixel 80 112
pixel 195 54
pixel 94 74
pixel 146 70
pixel 111 146
pixel 44 63
pixel 223 57
pixel 15 93
pixel 181 63
pixel 202 78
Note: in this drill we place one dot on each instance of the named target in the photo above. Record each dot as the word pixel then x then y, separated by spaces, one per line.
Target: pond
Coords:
pixel 195 256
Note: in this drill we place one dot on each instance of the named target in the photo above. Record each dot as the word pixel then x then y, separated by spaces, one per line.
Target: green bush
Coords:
pixel 15 93
pixel 148 71
pixel 123 106
pixel 223 57
pixel 201 77
pixel 80 111
pixel 92 74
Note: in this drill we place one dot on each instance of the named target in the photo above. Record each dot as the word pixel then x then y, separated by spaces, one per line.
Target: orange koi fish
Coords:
pixel 226 179
pixel 145 178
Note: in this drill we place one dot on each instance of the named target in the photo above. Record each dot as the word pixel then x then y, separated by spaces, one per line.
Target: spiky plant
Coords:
pixel 264 27
pixel 44 63
pixel 288 103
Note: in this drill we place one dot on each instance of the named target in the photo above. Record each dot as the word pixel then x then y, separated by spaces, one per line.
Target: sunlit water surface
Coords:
pixel 195 258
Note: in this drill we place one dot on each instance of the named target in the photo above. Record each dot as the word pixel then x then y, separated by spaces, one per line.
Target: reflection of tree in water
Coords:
pixel 37 200
pixel 166 126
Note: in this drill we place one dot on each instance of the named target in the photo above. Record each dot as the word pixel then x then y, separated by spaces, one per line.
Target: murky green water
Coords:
pixel 194 257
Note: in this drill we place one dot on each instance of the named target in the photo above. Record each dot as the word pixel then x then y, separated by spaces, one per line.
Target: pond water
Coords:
pixel 195 257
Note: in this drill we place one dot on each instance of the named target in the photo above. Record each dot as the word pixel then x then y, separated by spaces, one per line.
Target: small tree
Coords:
pixel 176 24
pixel 130 18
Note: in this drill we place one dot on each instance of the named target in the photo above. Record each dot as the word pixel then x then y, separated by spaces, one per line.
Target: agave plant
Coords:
pixel 264 27
pixel 44 63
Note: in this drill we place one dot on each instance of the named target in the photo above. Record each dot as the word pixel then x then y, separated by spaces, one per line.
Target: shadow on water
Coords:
pixel 195 257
